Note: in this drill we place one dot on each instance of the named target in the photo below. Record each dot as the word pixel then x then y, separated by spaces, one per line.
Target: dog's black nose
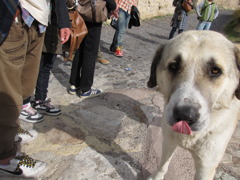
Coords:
pixel 189 114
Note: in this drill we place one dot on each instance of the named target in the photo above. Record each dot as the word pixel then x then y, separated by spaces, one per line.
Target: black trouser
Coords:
pixel 46 65
pixel 83 65
pixel 174 29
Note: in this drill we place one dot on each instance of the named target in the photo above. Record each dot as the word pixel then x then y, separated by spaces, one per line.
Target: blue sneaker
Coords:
pixel 90 93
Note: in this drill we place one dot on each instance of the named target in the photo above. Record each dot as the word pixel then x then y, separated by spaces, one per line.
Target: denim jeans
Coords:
pixel 204 25
pixel 46 65
pixel 122 25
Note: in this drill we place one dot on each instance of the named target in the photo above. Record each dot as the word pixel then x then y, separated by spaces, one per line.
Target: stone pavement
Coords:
pixel 117 135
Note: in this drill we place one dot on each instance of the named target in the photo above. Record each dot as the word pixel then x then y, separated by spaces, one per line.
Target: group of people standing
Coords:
pixel 26 60
pixel 207 12
pixel 82 72
pixel 30 32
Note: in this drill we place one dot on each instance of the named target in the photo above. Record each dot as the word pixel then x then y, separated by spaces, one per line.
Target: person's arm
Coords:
pixel 114 12
pixel 63 22
pixel 198 9
pixel 216 12
pixel 111 5
pixel 62 14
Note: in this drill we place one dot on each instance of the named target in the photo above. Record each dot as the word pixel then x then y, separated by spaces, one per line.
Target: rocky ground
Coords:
pixel 117 135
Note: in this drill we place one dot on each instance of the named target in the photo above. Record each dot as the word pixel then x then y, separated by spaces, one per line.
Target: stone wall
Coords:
pixel 152 8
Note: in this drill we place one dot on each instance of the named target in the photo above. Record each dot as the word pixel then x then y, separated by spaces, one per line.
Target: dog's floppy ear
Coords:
pixel 237 55
pixel 152 82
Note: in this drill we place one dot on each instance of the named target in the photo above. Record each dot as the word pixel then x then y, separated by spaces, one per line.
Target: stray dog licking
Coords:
pixel 198 74
pixel 182 127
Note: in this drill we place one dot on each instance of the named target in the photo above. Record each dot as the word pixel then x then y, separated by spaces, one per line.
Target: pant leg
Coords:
pixel 100 55
pixel 180 31
pixel 19 50
pixel 201 25
pixel 31 66
pixel 46 65
pixel 12 58
pixel 88 55
pixel 76 67
pixel 172 32
pixel 27 100
pixel 83 65
pixel 208 25
pixel 114 42
pixel 123 21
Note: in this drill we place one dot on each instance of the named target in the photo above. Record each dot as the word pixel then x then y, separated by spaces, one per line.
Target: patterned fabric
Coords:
pixel 28 19
pixel 126 5
pixel 7 12
pixel 180 24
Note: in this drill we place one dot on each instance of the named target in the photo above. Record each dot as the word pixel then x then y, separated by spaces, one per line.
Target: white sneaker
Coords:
pixel 30 114
pixel 24 166
pixel 24 136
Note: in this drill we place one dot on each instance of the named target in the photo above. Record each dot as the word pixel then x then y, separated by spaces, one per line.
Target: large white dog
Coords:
pixel 198 73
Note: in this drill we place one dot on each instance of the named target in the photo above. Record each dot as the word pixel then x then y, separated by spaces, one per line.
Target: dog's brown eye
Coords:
pixel 215 71
pixel 173 67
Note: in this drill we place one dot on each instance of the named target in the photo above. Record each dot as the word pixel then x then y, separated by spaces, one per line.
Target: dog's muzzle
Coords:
pixel 187 113
pixel 185 117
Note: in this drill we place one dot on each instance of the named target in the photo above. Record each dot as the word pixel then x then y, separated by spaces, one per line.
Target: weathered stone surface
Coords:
pixel 97 120
pixel 89 164
pixel 74 151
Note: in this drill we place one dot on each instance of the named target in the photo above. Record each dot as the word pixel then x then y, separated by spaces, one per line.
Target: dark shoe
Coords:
pixel 44 107
pixel 90 93
pixel 112 48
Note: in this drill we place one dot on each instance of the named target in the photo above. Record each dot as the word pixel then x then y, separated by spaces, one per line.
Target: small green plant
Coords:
pixel 232 30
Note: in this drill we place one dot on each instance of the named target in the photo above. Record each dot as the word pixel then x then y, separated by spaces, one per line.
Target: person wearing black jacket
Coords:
pixel 83 65
pixel 32 112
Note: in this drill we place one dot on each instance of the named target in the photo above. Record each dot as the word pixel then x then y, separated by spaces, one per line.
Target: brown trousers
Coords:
pixel 19 65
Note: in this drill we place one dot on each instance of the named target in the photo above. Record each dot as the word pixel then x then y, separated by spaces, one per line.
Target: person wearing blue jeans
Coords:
pixel 207 12
pixel 122 12
pixel 123 20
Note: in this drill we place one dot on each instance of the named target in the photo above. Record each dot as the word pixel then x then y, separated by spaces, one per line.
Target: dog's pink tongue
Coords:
pixel 182 127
